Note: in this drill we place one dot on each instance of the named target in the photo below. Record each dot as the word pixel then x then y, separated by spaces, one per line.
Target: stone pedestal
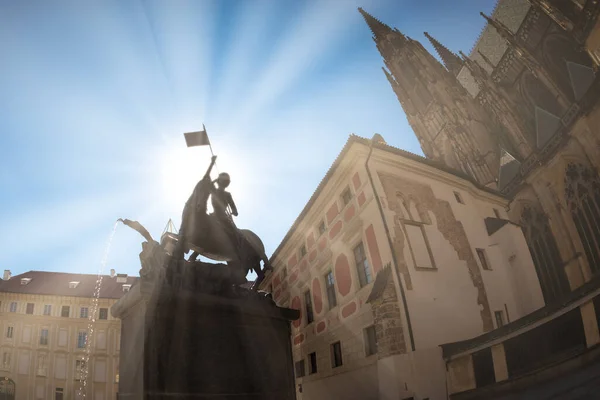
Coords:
pixel 186 335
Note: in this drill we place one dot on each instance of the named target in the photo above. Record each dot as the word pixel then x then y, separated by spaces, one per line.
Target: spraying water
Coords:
pixel 93 315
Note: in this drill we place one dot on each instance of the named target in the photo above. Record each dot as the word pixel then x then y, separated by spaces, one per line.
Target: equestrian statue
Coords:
pixel 215 235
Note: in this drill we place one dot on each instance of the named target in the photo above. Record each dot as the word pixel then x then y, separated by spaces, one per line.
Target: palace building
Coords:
pixel 44 319
pixel 471 272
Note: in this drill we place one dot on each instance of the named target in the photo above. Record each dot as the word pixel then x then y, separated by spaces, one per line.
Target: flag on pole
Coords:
pixel 199 138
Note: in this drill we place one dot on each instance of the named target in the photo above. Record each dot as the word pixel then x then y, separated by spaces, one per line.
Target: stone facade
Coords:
pixel 41 342
pixel 382 256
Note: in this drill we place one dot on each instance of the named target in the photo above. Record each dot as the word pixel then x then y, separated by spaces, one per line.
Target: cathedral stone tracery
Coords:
pixel 526 103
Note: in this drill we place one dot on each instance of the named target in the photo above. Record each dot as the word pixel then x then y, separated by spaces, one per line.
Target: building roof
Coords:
pixel 57 284
pixel 378 144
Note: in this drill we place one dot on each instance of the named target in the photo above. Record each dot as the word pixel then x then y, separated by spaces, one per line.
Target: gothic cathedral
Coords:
pixel 520 114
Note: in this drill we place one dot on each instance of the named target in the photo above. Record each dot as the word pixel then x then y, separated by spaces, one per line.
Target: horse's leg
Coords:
pixel 193 256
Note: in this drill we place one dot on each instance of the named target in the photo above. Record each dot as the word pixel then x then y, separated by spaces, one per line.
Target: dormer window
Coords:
pixel 122 278
pixel 73 284
pixel 126 288
pixel 25 281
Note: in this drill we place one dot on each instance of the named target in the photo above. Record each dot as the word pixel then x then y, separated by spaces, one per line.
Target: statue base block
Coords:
pixel 181 343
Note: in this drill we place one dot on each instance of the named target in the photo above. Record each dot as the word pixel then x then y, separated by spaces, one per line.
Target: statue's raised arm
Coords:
pixel 210 167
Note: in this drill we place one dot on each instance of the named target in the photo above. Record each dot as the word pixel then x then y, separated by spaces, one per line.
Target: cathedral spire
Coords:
pixel 451 61
pixel 379 29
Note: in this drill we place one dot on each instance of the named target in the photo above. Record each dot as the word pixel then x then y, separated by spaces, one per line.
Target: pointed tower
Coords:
pixel 449 124
pixel 451 61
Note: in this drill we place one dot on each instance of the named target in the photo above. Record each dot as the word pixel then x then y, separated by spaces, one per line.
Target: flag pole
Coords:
pixel 210 147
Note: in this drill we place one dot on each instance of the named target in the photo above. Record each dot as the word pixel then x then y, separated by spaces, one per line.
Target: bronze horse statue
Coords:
pixel 207 235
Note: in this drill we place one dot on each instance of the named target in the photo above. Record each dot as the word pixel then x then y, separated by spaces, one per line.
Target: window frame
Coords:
pixel 308 308
pixel 499 313
pixel 484 261
pixel 458 197
pixel 367 276
pixel 371 347
pixel 84 312
pixel 80 335
pixel 334 360
pixel 346 200
pixel 322 228
pixel 45 342
pixel 312 363
pixel 13 306
pixel 62 311
pixel 100 313
pixel 302 251
pixel 330 289
pixel 47 309
pixel 421 226
pixel 10 332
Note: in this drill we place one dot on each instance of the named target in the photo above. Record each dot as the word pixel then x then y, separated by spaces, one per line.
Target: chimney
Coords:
pixel 7 274
pixel 112 272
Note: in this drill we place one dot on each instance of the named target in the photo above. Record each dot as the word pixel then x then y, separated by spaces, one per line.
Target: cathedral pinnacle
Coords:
pixel 451 61
pixel 379 29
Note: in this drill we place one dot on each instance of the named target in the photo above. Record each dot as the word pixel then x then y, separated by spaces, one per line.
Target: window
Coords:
pixel 58 394
pixel 499 318
pixel 362 265
pixel 83 313
pixel 9 332
pixel 322 227
pixel 313 363
pixel 81 339
pixel 497 213
pixel 13 306
pixel 370 340
pixel 79 370
pixel 6 360
pixel 458 198
pixel 544 252
pixel 336 354
pixel 73 284
pixel 103 314
pixel 42 365
pixel 419 246
pixel 44 337
pixel 25 281
pixel 330 286
pixel 309 309
pixel 483 259
pixel 302 251
pixel 346 196
pixel 29 309
pixel 64 311
pixel 47 309
pixel 126 288
pixel 299 367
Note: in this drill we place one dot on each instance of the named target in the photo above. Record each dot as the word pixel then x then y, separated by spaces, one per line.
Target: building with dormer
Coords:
pixel 45 325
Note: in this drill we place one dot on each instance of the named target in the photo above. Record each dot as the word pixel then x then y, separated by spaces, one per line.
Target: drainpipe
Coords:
pixel 390 243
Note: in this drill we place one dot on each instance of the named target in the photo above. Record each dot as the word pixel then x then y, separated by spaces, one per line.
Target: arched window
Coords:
pixel 570 66
pixel 544 251
pixel 582 191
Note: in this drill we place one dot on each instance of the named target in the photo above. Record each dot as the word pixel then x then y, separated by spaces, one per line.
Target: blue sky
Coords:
pixel 95 96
